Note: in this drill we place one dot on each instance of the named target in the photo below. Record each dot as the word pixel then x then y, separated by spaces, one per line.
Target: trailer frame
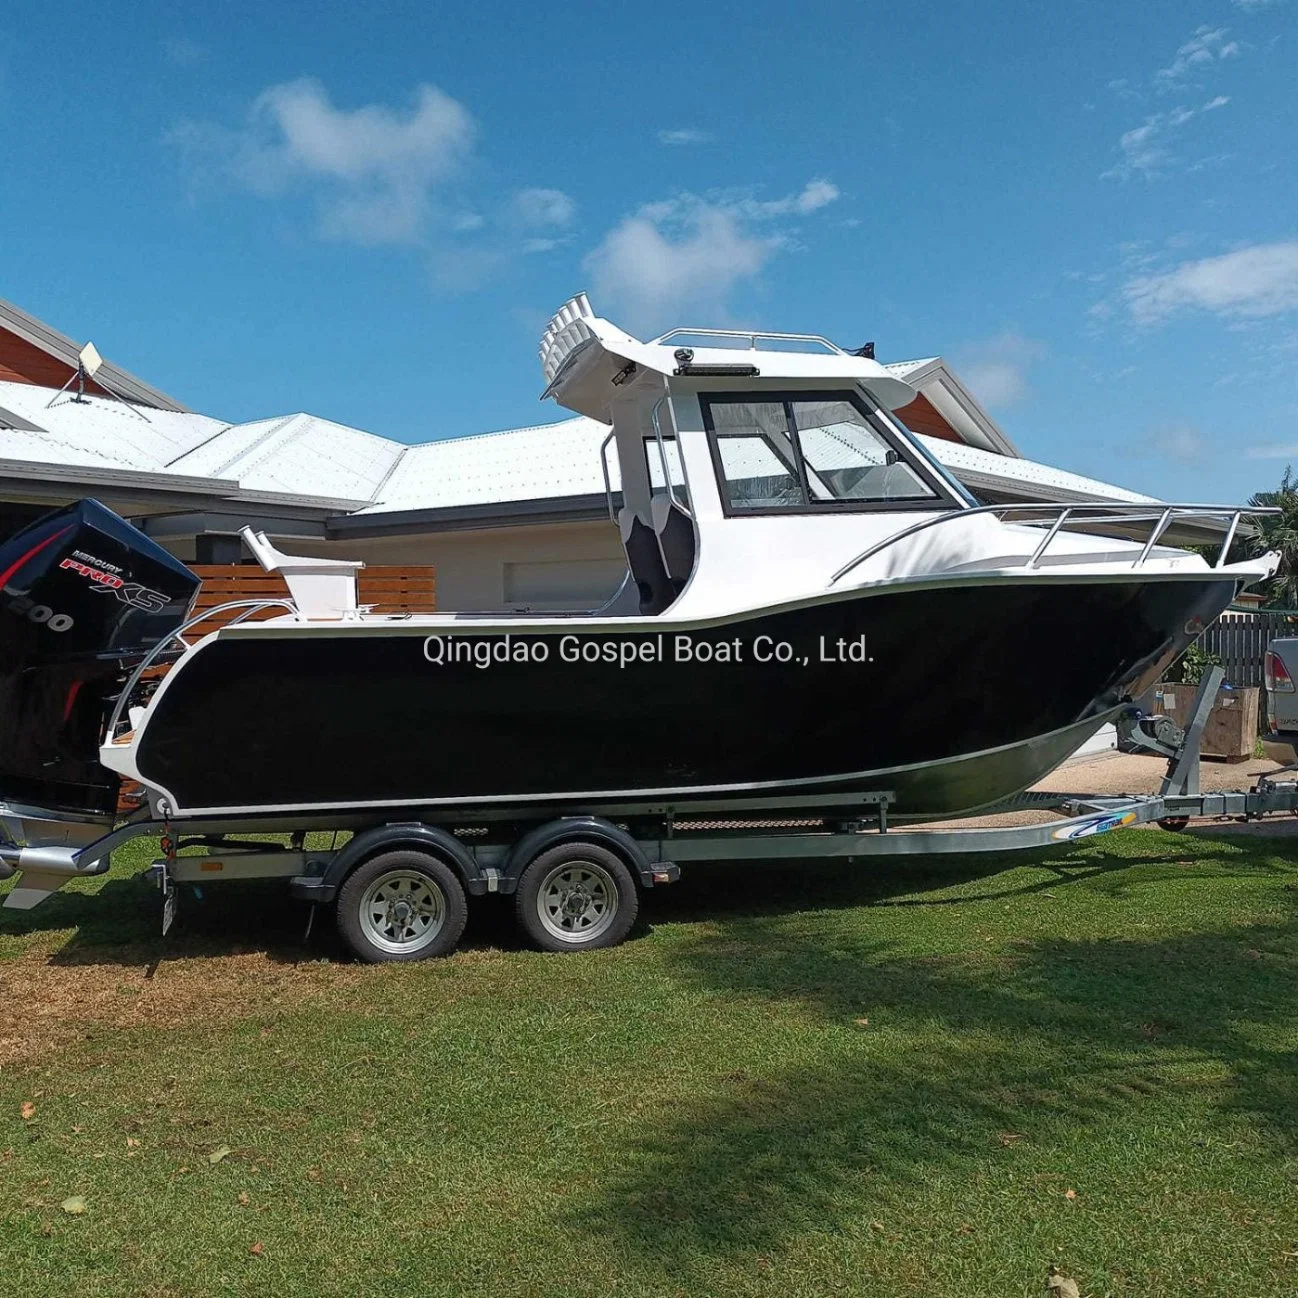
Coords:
pixel 492 855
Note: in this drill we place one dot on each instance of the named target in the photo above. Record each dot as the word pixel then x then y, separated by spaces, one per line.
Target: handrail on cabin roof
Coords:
pixel 752 335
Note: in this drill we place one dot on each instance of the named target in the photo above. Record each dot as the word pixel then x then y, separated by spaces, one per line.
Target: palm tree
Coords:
pixel 1279 532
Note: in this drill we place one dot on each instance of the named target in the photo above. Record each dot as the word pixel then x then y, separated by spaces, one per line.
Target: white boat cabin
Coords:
pixel 761 468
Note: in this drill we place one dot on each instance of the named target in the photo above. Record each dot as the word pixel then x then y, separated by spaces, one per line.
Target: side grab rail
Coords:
pixel 1056 516
pixel 249 606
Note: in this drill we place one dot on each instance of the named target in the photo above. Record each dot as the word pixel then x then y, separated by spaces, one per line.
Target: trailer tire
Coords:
pixel 402 905
pixel 576 896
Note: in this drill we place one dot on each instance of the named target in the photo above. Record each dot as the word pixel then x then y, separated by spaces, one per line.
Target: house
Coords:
pixel 516 519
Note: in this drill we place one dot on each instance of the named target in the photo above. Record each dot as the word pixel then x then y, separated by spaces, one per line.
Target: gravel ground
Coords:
pixel 1113 773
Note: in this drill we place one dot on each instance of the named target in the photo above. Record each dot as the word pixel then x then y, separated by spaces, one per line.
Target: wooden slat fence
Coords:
pixel 388 588
pixel 1240 640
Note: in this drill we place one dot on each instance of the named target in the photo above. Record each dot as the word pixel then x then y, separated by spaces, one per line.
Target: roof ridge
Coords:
pixel 198 446
pixel 275 422
pixel 264 442
pixel 351 428
pixel 499 432
pixel 387 477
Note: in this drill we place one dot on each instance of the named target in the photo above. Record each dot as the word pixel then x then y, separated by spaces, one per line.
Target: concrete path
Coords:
pixel 1114 774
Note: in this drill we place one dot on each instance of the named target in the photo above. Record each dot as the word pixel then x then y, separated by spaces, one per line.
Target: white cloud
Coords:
pixel 996 369
pixel 1248 283
pixel 1142 149
pixel 1176 441
pixel 814 195
pixel 1145 148
pixel 1253 6
pixel 688 253
pixel 685 135
pixel 654 266
pixel 544 207
pixel 181 51
pixel 372 170
pixel 1281 451
pixel 1207 46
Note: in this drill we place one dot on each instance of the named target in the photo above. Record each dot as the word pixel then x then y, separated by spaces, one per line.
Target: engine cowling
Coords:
pixel 83 596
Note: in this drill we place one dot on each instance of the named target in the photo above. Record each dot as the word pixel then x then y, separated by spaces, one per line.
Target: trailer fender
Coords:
pixel 413 836
pixel 584 829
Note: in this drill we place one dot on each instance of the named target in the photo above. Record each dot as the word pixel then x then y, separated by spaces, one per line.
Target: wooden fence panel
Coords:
pixel 1241 639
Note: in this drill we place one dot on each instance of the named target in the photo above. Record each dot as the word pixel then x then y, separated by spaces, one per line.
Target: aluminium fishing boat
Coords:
pixel 816 615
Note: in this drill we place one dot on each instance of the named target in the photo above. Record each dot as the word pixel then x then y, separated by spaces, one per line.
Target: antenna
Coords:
pixel 89 363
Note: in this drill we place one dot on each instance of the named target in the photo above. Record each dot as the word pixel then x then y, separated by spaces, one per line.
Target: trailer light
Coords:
pixel 1276 674
pixel 212 867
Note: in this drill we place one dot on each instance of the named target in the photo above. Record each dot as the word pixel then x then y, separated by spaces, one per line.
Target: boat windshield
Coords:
pixel 809 451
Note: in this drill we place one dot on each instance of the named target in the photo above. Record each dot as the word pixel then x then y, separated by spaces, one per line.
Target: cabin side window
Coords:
pixel 810 452
pixel 670 452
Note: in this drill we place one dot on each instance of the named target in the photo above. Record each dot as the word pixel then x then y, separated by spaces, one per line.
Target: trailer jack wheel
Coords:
pixel 576 897
pixel 401 905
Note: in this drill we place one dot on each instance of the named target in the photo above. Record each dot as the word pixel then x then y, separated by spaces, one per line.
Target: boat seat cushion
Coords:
pixel 675 529
pixel 646 563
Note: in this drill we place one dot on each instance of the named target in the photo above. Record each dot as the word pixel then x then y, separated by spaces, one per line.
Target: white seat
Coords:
pixel 322 589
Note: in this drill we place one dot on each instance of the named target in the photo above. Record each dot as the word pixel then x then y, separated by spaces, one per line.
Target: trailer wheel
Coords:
pixel 576 897
pixel 401 905
pixel 1174 824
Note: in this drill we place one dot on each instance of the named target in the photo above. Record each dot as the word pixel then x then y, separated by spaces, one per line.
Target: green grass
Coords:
pixel 923 1079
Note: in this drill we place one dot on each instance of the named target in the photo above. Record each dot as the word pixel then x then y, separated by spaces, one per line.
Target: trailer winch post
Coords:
pixel 1183 768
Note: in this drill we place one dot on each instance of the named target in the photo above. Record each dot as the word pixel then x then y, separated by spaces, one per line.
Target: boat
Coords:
pixel 816 616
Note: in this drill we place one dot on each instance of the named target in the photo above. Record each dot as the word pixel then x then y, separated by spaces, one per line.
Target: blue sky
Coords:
pixel 1090 210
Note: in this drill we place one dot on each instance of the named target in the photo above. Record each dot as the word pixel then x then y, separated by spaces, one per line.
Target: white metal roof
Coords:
pixel 902 368
pixel 982 470
pixel 302 458
pixel 543 461
pixel 297 453
pixel 95 430
pixel 549 461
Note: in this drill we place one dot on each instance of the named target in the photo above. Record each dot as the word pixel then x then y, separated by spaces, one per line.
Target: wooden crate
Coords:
pixel 387 588
pixel 1232 728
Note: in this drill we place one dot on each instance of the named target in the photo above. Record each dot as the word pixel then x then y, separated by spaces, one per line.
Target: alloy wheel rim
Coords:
pixel 402 911
pixel 577 901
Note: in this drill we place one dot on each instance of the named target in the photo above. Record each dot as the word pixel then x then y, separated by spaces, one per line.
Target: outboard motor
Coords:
pixel 83 596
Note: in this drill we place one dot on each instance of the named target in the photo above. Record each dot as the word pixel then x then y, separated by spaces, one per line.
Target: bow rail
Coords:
pixel 1055 516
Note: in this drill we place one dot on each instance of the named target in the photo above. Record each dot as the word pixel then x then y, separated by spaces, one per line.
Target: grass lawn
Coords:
pixel 928 1078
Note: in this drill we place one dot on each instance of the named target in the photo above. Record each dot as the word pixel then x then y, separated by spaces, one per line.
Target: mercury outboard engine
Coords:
pixel 83 596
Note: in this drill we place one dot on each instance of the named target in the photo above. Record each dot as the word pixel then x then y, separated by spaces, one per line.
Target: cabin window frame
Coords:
pixel 942 498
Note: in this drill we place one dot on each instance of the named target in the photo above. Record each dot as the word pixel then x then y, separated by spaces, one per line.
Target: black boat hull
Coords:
pixel 949 696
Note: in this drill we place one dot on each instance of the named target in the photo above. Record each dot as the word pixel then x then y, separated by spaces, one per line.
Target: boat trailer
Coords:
pixel 576 878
